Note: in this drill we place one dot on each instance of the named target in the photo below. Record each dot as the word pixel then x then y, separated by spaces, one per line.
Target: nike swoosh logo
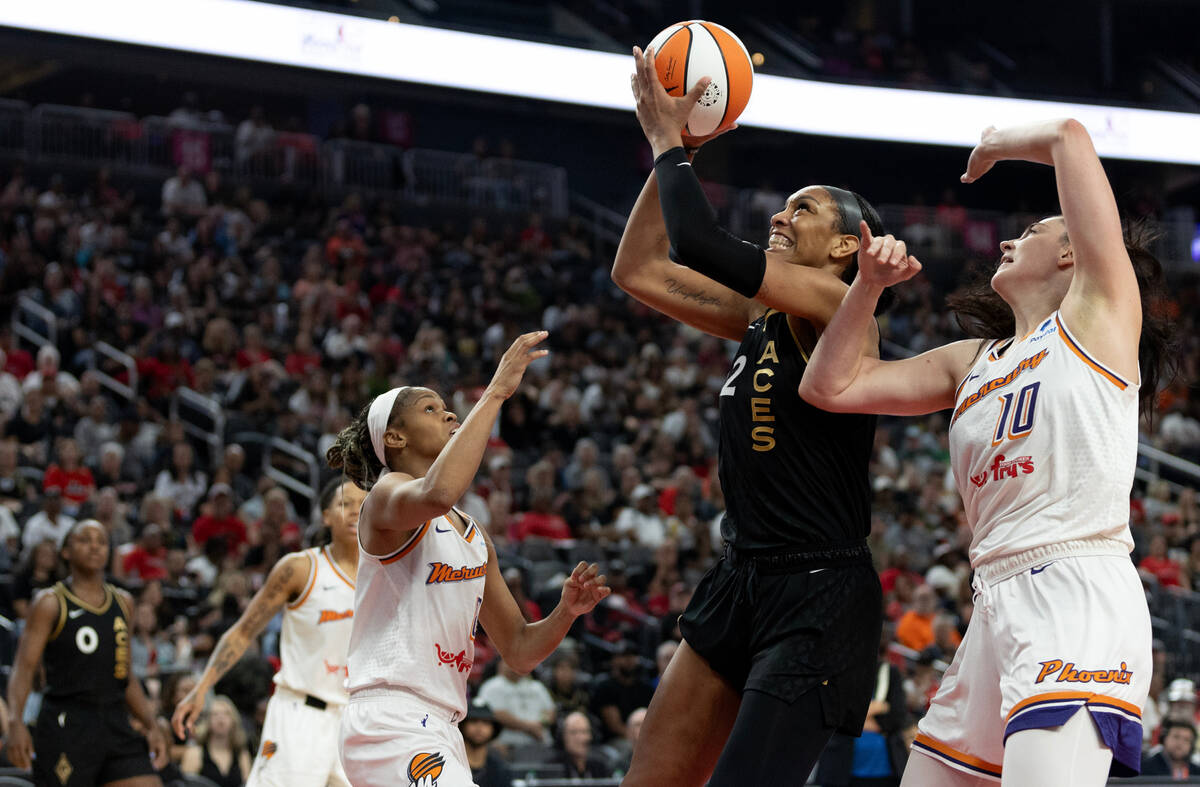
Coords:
pixel 684 164
pixel 74 613
pixel 817 570
pixel 1040 569
pixel 439 530
pixel 972 377
pixel 328 587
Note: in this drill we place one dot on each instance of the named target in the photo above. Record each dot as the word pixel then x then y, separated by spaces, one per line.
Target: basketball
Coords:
pixel 685 52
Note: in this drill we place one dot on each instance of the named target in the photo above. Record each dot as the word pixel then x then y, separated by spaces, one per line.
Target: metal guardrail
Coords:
pixel 127 391
pixel 160 145
pixel 28 317
pixel 606 224
pixel 310 488
pixel 509 184
pixel 1156 457
pixel 201 417
pixel 13 124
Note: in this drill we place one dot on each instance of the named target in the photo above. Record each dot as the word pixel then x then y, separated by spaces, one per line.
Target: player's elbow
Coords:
pixel 819 393
pixel 1071 133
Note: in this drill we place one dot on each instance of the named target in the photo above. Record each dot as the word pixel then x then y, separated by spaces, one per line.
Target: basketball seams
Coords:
pixel 727 87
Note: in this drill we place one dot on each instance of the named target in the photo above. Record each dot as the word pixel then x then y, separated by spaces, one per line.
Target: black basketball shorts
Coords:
pixel 76 745
pixel 789 623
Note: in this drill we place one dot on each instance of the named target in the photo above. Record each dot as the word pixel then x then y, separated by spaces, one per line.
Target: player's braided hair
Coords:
pixel 982 313
pixel 352 452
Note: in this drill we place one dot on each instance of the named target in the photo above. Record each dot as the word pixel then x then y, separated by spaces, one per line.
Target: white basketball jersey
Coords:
pixel 1043 443
pixel 415 614
pixel 316 632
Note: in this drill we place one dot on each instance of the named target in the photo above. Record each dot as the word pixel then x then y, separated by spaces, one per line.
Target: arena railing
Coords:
pixel 273 450
pixel 34 323
pixel 606 224
pixel 493 182
pixel 13 126
pixel 127 391
pixel 83 135
pixel 350 165
pixel 202 418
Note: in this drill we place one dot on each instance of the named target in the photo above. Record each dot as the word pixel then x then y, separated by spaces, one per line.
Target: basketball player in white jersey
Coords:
pixel 427 575
pixel 1048 685
pixel 315 590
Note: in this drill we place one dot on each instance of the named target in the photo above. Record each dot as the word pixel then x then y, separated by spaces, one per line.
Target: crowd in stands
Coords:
pixel 290 315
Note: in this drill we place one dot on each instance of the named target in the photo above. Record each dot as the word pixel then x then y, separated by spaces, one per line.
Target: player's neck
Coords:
pixel 346 557
pixel 86 586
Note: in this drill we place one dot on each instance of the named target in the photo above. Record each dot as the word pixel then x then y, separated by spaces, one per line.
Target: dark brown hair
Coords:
pixel 352 452
pixel 982 313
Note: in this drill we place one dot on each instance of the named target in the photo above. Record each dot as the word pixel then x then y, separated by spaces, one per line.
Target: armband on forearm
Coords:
pixel 697 240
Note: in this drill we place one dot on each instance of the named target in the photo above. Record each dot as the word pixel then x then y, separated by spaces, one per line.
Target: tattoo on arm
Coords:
pixel 685 292
pixel 233 644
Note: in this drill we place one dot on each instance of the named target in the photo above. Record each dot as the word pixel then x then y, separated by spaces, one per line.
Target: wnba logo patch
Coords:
pixel 425 768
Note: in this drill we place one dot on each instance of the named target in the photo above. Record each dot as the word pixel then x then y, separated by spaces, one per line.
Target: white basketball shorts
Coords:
pixel 1044 641
pixel 299 745
pixel 399 739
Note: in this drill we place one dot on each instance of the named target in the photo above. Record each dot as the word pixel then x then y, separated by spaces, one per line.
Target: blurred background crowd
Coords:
pixel 182 337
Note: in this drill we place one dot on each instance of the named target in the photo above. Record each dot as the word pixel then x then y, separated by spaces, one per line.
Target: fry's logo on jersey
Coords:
pixel 332 615
pixel 441 572
pixel 1068 674
pixel 425 768
pixel 1032 362
pixel 1000 469
pixel 458 660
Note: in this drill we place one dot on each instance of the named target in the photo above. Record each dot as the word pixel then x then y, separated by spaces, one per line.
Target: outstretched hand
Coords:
pixel 515 361
pixel 982 157
pixel 584 589
pixel 884 261
pixel 661 115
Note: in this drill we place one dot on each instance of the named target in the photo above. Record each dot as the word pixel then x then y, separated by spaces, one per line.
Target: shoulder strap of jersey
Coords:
pixel 125 610
pixel 311 553
pixel 62 609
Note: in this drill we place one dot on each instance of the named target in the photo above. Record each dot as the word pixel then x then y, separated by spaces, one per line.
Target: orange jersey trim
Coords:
pixel 1104 699
pixel 470 536
pixel 950 753
pixel 309 585
pixel 333 564
pixel 1083 356
pixel 412 543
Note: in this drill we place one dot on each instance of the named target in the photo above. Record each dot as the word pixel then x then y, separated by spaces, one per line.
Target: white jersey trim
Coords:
pixel 328 553
pixel 310 582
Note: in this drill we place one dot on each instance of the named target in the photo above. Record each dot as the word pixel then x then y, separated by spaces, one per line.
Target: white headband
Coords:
pixel 377 421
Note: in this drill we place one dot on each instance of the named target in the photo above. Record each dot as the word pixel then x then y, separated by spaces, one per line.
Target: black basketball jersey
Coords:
pixel 87 656
pixel 794 476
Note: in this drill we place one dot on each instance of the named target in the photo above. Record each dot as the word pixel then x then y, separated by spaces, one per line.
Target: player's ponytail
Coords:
pixel 352 453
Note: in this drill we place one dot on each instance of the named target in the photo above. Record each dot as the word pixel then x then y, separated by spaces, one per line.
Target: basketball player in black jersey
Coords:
pixel 79 631
pixel 781 635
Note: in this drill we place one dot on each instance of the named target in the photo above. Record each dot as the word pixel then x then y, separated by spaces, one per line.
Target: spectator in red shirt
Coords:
pixel 540 521
pixel 345 247
pixel 72 479
pixel 254 350
pixel 147 561
pixel 303 356
pixel 1159 566
pixel 220 520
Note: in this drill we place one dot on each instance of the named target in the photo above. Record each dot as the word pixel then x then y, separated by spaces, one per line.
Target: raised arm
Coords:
pixel 842 377
pixel 1102 306
pixel 43 618
pixel 286 582
pixel 644 269
pixel 524 645
pixel 399 503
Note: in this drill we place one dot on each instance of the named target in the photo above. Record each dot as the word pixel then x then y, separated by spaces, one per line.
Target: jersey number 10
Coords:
pixel 1016 414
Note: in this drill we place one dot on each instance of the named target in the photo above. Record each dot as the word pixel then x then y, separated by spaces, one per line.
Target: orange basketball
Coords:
pixel 687 51
pixel 426 764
